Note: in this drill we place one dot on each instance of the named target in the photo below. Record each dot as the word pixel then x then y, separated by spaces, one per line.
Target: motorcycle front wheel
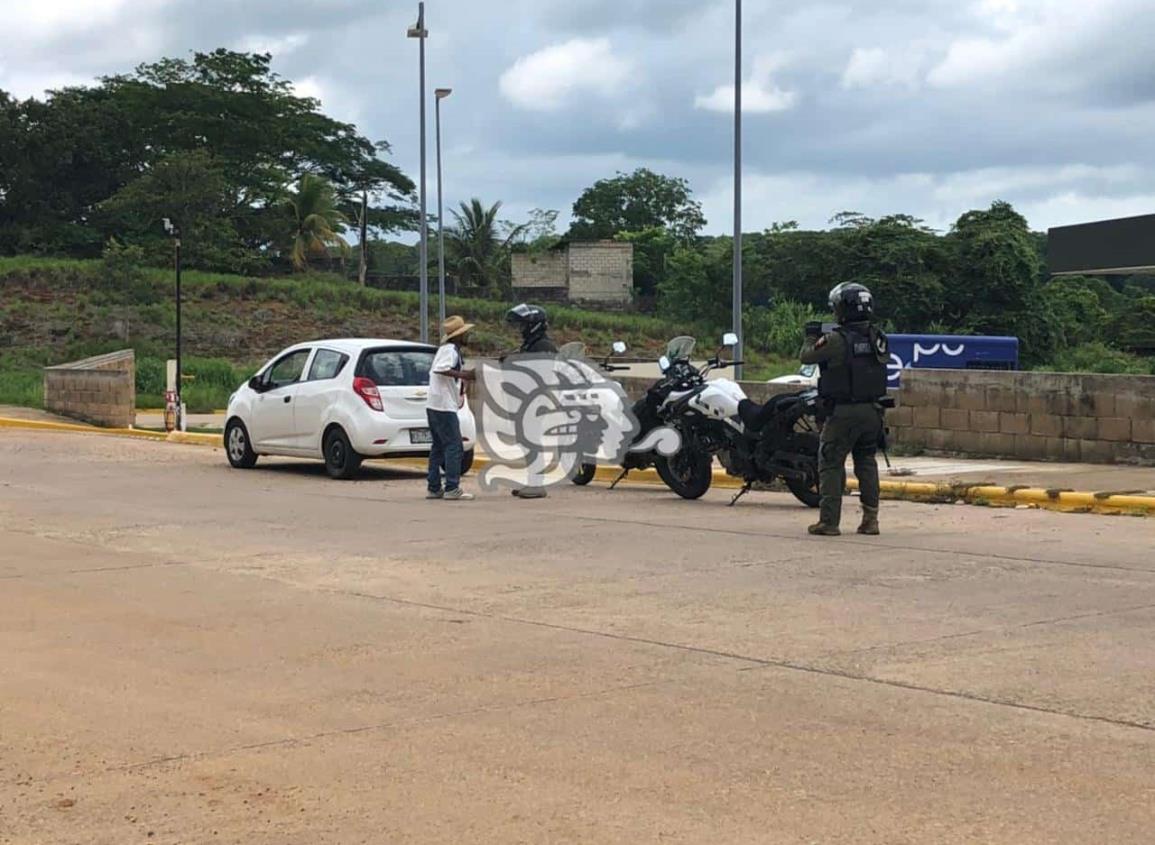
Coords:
pixel 688 472
pixel 585 475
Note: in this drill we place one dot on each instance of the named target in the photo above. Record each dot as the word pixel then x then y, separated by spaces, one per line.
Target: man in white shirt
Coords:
pixel 447 377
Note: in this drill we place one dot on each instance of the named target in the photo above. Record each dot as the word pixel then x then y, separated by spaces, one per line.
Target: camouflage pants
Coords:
pixel 850 430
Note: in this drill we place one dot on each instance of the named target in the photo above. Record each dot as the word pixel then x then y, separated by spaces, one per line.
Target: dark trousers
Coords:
pixel 446 450
pixel 851 430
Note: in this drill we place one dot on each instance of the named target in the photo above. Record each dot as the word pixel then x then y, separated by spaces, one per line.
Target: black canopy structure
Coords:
pixel 1110 247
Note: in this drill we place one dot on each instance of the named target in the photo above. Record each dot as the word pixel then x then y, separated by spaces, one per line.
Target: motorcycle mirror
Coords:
pixel 619 347
pixel 663 363
pixel 729 339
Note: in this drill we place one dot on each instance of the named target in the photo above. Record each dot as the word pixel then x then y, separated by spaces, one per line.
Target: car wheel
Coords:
pixel 238 448
pixel 466 461
pixel 341 460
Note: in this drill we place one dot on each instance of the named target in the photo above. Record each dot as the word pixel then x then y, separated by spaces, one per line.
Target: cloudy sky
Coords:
pixel 929 107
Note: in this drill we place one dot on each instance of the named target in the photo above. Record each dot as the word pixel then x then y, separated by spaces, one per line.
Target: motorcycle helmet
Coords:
pixel 531 320
pixel 852 303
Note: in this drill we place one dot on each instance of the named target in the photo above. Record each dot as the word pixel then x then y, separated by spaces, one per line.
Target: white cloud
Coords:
pixel 274 45
pixel 871 67
pixel 555 76
pixel 760 95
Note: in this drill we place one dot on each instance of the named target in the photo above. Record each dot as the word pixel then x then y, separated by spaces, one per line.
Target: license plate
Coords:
pixel 419 436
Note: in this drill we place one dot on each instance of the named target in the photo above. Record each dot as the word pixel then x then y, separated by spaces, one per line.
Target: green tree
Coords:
pixel 635 202
pixel 698 282
pixel 477 246
pixel 315 223
pixel 1080 315
pixel 652 250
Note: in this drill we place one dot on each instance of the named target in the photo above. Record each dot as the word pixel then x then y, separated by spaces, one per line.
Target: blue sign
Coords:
pixel 950 352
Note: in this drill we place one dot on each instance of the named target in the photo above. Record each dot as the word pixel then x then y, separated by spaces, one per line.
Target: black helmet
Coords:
pixel 530 319
pixel 851 303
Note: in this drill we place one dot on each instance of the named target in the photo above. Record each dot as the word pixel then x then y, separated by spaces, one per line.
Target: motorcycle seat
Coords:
pixel 755 416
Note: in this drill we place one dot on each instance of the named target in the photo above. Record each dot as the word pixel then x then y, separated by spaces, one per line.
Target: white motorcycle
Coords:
pixel 757 443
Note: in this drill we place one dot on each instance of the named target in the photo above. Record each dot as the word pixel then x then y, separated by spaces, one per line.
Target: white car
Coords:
pixel 340 401
pixel 807 376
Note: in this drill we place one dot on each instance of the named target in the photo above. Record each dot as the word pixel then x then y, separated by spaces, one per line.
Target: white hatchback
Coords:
pixel 341 401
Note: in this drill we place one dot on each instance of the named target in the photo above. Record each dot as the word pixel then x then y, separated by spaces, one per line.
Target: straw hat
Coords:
pixel 454 327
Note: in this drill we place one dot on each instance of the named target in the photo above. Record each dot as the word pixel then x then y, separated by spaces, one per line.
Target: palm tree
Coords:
pixel 478 245
pixel 316 222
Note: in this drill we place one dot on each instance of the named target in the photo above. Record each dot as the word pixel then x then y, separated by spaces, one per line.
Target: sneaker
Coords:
pixel 434 494
pixel 457 495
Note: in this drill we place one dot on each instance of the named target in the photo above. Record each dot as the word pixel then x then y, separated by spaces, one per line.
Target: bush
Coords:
pixel 1099 358
pixel 778 329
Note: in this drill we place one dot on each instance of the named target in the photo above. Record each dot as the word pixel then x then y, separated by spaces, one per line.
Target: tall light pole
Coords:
pixel 173 230
pixel 419 32
pixel 737 316
pixel 440 94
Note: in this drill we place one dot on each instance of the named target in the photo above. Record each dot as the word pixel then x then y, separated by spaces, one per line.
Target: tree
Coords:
pixel 696 288
pixel 635 202
pixel 315 222
pixel 652 250
pixel 477 248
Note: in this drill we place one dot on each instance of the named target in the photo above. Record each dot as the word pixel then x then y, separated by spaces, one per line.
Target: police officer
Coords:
pixel 852 360
pixel 533 323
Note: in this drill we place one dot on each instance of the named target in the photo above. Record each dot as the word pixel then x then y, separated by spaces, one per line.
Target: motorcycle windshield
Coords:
pixel 680 348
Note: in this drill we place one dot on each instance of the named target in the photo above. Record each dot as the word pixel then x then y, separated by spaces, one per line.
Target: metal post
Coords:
pixel 420 33
pixel 737 315
pixel 179 379
pixel 440 224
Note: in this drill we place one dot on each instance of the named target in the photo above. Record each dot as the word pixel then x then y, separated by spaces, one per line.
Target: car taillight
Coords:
pixel 367 390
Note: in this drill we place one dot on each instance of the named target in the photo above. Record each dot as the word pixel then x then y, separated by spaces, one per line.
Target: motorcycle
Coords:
pixel 757 443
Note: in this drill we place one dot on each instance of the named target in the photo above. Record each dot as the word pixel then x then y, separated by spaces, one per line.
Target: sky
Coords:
pixel 925 107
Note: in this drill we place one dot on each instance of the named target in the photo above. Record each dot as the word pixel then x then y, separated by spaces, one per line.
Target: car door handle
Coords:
pixel 288 399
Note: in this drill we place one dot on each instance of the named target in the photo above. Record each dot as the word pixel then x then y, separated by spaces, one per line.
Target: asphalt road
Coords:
pixel 193 654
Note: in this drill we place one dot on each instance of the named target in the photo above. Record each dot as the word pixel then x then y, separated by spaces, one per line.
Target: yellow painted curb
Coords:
pixel 1067 501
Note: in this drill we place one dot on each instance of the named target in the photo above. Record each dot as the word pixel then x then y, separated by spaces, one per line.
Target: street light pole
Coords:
pixel 737 315
pixel 440 94
pixel 173 230
pixel 419 32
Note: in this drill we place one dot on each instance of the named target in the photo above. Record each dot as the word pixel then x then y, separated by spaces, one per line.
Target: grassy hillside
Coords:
pixel 54 310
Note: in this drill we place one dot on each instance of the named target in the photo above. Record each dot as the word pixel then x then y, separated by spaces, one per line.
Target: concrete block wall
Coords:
pixel 601 271
pixel 1028 416
pixel 540 270
pixel 99 390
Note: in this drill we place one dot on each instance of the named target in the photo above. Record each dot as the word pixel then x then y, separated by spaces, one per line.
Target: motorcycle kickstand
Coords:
pixel 745 489
pixel 886 457
pixel 624 473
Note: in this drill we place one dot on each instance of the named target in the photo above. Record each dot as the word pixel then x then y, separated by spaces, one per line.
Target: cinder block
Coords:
pixel 1143 430
pixel 900 417
pixel 1011 423
pixel 938 440
pixel 1046 425
pixel 967 442
pixel 1135 406
pixel 1028 447
pixel 984 421
pixel 1081 428
pixel 1002 399
pixel 968 399
pixel 1115 429
pixel 1096 451
pixel 1103 403
pixel 1058 448
pixel 927 417
pixel 997 445
pixel 955 419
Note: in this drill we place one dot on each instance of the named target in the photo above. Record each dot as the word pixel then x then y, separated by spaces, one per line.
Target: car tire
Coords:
pixel 238 446
pixel 466 461
pixel 341 460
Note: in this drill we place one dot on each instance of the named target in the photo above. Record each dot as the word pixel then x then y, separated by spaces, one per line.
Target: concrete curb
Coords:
pixel 1067 501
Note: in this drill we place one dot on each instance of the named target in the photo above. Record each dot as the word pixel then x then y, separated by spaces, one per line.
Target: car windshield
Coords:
pixel 397 367
pixel 680 347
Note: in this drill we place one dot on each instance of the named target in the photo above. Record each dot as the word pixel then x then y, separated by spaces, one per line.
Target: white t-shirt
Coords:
pixel 446 393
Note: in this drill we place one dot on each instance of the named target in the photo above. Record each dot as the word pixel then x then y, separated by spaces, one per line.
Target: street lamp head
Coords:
pixel 418 29
pixel 442 93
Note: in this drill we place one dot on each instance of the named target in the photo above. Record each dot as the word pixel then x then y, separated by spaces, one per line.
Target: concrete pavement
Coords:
pixel 202 654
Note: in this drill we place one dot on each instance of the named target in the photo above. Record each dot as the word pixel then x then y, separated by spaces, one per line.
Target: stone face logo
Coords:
pixel 542 417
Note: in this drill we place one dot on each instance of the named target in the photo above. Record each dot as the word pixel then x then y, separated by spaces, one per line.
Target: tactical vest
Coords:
pixel 862 376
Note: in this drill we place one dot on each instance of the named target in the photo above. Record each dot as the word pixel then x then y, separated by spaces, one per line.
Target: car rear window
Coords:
pixel 396 367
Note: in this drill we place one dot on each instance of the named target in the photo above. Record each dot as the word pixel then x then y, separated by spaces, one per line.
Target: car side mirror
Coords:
pixel 256 384
pixel 663 363
pixel 729 339
pixel 619 347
